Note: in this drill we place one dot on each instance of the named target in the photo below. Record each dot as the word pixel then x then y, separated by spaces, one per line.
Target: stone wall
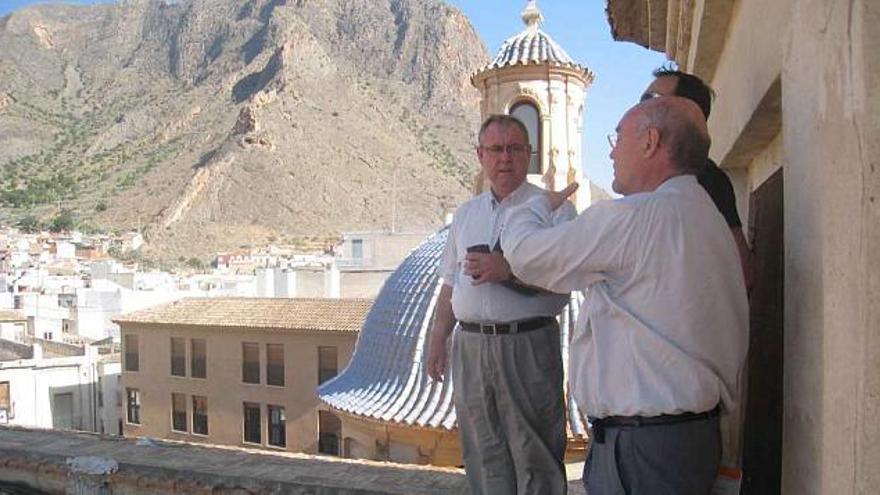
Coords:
pixel 43 460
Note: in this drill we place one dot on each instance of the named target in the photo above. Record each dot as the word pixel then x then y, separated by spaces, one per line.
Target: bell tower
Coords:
pixel 535 80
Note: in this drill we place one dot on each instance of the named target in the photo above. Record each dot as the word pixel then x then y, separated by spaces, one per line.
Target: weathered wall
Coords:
pixel 37 459
pixel 362 283
pixel 750 61
pixel 830 83
pixel 374 440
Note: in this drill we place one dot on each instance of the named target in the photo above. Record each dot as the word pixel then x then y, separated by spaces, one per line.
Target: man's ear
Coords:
pixel 479 153
pixel 652 142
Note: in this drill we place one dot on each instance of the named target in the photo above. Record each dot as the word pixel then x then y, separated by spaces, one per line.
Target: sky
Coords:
pixel 622 70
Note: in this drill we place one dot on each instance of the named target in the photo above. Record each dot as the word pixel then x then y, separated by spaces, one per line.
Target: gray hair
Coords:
pixel 686 143
pixel 503 120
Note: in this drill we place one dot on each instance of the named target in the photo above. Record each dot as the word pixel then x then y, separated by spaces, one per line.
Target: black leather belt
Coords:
pixel 507 328
pixel 598 425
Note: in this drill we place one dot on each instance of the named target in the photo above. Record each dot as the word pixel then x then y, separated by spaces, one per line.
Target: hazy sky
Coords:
pixel 622 70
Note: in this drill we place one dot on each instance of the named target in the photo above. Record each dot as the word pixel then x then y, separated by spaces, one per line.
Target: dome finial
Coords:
pixel 532 16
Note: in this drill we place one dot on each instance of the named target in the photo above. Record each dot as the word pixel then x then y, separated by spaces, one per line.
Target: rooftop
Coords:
pixel 385 379
pixel 532 46
pixel 298 314
pixel 7 316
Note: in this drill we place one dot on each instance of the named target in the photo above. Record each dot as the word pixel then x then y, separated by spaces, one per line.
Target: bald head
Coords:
pixel 682 129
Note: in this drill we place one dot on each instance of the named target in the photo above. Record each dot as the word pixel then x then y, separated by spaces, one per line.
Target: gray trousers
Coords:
pixel 674 459
pixel 509 404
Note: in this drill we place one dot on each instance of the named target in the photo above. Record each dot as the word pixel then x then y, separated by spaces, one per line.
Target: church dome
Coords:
pixel 532 46
pixel 386 379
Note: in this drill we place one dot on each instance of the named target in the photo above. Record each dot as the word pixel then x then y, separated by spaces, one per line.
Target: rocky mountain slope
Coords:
pixel 210 124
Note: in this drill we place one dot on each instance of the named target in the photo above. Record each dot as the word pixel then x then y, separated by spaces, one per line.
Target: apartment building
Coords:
pixel 237 371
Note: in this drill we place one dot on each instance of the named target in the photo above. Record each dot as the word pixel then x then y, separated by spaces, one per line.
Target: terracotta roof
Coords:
pixel 11 316
pixel 325 315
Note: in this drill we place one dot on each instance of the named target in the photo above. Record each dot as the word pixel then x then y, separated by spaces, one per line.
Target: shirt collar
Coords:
pixel 677 181
pixel 494 203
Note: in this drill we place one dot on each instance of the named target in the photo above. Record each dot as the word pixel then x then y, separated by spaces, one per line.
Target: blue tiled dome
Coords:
pixel 385 379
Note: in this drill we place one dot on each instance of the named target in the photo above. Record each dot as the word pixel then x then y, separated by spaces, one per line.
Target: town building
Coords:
pixel 13 325
pixel 52 385
pixel 237 371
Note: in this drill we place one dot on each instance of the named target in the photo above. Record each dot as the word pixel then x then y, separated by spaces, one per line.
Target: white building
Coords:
pixel 75 392
pixel 13 325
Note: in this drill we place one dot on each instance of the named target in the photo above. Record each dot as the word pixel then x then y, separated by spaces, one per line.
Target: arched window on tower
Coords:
pixel 529 115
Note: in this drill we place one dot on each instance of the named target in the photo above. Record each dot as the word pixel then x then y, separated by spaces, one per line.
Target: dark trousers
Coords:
pixel 673 459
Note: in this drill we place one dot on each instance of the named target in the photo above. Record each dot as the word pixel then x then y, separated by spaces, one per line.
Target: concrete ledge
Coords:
pixel 38 459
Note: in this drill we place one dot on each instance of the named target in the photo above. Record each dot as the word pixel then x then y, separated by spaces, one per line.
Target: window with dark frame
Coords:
pixel 198 359
pixel 357 249
pixel 328 359
pixel 527 113
pixel 275 364
pixel 252 426
pixel 250 362
pixel 132 357
pixel 329 433
pixel 178 356
pixel 200 415
pixel 277 426
pixel 178 412
pixel 133 406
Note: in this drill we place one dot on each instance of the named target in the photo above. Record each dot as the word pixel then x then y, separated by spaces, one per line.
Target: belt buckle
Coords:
pixel 485 326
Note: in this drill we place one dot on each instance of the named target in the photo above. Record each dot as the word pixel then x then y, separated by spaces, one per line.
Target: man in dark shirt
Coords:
pixel 669 82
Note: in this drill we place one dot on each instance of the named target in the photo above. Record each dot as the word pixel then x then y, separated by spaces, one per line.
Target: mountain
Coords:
pixel 209 124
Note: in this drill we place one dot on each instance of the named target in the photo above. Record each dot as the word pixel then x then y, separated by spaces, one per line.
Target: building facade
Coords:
pixel 69 392
pixel 237 371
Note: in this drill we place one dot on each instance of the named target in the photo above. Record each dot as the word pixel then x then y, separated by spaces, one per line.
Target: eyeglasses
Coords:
pixel 612 140
pixel 650 95
pixel 513 149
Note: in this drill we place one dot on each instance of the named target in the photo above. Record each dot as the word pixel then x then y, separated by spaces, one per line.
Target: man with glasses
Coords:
pixel 663 332
pixel 506 357
pixel 670 82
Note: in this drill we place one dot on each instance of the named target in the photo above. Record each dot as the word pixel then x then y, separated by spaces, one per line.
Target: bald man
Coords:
pixel 664 329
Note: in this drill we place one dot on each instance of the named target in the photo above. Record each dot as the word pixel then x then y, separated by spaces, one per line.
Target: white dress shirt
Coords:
pixel 478 221
pixel 664 327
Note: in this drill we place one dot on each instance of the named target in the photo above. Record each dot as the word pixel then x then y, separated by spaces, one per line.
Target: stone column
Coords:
pixel 831 80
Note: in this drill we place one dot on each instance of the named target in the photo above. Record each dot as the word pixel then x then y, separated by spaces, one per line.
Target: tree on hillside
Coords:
pixel 29 224
pixel 64 222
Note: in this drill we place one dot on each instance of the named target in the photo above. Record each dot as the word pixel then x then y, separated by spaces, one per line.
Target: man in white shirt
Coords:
pixel 506 357
pixel 663 332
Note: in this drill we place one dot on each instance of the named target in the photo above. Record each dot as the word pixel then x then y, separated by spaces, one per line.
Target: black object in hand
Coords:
pixel 478 248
